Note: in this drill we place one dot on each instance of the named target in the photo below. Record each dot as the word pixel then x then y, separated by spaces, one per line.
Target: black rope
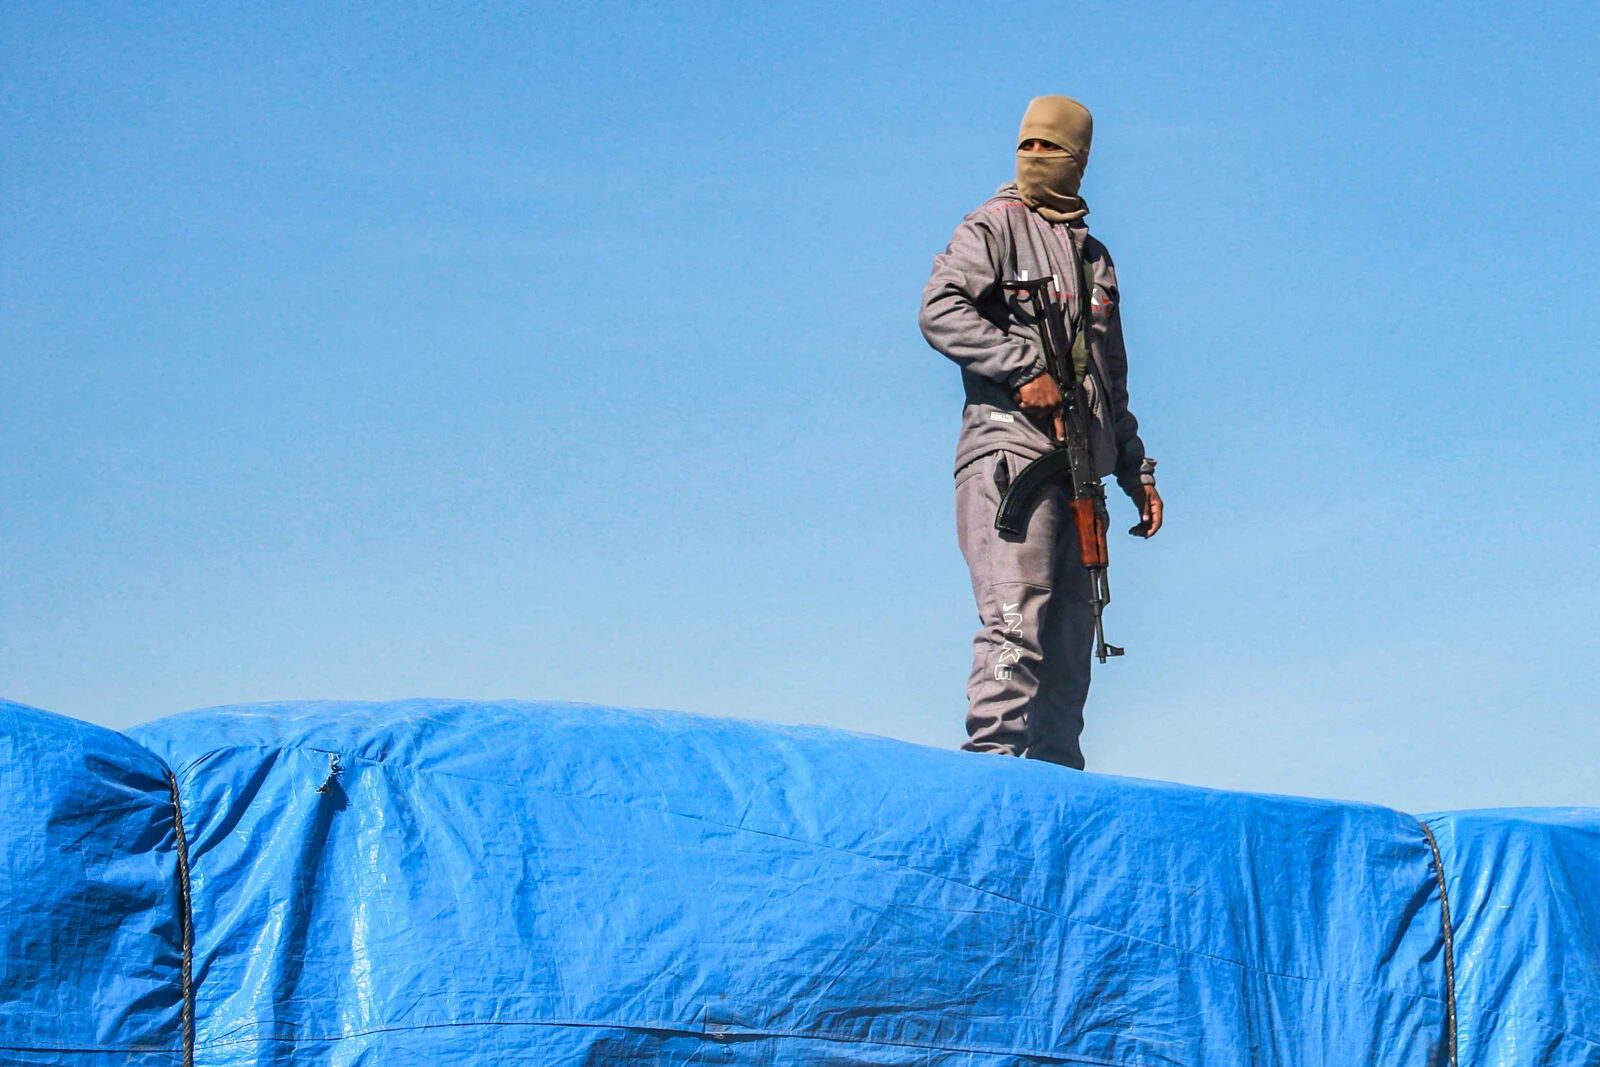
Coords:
pixel 186 924
pixel 1449 945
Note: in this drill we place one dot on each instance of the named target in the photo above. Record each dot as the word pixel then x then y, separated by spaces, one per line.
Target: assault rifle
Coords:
pixel 1068 462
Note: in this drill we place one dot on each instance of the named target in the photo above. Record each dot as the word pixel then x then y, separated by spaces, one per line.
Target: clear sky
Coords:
pixel 570 351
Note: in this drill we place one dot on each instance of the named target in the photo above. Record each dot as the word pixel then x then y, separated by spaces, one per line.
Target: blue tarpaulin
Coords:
pixel 1525 889
pixel 426 882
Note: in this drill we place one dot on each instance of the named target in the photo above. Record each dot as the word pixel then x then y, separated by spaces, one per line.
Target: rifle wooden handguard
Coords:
pixel 1091 532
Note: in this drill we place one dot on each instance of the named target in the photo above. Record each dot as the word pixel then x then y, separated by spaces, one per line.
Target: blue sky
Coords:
pixel 570 351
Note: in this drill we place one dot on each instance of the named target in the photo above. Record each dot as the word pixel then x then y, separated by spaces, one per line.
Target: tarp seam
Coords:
pixel 107 1049
pixel 185 922
pixel 715 1036
pixel 1449 942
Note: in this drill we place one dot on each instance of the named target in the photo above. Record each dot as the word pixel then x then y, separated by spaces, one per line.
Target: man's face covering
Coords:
pixel 1048 181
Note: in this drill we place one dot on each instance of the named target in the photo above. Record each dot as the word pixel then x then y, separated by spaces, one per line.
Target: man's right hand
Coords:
pixel 1040 400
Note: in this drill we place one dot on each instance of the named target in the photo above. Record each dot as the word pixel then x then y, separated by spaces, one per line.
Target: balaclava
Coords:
pixel 1048 181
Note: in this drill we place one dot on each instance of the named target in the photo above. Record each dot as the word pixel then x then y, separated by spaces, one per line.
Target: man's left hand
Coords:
pixel 1149 504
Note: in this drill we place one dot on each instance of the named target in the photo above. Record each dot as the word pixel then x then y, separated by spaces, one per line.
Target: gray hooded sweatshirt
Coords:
pixel 991 335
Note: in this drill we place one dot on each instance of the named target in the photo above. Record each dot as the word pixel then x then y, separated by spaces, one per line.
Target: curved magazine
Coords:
pixel 1016 506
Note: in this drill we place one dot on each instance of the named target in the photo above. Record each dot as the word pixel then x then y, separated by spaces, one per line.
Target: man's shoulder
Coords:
pixel 999 214
pixel 1006 198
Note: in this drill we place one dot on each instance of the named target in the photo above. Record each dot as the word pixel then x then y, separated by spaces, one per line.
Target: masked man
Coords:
pixel 1030 667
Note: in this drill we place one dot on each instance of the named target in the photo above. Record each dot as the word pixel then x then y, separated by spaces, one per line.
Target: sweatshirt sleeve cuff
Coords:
pixel 1026 375
pixel 1146 475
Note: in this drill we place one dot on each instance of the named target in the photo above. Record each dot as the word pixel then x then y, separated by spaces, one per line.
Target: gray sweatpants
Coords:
pixel 1030 658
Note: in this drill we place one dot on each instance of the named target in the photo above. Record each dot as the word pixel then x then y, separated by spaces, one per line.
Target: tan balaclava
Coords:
pixel 1048 181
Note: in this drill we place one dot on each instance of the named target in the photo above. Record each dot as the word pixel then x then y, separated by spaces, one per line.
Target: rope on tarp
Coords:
pixel 185 923
pixel 1449 944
